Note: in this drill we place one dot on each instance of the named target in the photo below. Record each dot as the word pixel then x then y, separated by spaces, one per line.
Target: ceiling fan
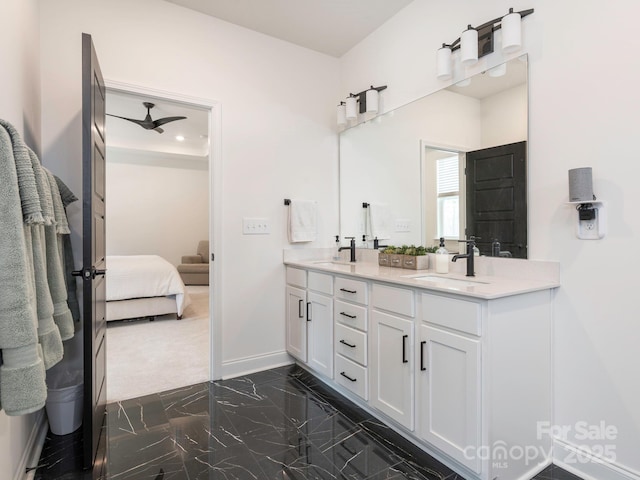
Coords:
pixel 149 124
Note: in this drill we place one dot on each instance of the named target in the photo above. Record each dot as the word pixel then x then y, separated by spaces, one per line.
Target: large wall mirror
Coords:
pixel 451 164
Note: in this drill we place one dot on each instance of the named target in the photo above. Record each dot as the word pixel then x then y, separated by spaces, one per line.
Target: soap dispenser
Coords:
pixel 442 258
pixel 336 250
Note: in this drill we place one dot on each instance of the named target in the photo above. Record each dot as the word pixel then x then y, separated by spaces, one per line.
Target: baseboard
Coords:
pixel 588 466
pixel 33 448
pixel 247 365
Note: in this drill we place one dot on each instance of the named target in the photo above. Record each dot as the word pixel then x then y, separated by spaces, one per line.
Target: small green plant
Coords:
pixel 411 250
pixel 420 251
pixel 432 249
pixel 402 249
pixel 390 250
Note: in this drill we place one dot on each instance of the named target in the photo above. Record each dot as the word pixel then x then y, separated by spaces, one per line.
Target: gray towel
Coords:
pixel 66 194
pixel 22 373
pixel 55 274
pixel 30 202
pixel 62 227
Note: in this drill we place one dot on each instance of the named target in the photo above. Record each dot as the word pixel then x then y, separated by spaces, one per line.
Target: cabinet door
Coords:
pixel 392 367
pixel 297 323
pixel 449 394
pixel 320 333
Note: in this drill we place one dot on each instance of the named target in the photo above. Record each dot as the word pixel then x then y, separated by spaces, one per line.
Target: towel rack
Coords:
pixel 287 201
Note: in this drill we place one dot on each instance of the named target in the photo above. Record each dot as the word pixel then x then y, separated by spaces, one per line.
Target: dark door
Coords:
pixel 93 258
pixel 497 198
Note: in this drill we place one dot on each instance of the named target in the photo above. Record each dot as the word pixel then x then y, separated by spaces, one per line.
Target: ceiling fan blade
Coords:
pixel 162 121
pixel 158 129
pixel 142 123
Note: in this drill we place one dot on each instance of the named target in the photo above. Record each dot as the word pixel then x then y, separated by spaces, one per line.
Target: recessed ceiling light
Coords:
pixel 180 138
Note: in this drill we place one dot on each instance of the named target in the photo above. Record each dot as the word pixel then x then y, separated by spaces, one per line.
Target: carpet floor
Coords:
pixel 145 357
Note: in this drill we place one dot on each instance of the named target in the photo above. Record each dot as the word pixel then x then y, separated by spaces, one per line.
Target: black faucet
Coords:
pixel 471 243
pixel 376 244
pixel 351 247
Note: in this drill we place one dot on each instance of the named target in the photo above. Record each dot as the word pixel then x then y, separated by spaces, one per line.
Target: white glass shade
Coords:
pixel 352 108
pixel 511 32
pixel 444 63
pixel 373 97
pixel 464 83
pixel 469 47
pixel 342 114
pixel 498 71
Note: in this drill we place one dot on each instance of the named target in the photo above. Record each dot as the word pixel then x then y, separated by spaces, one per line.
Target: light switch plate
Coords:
pixel 403 225
pixel 256 226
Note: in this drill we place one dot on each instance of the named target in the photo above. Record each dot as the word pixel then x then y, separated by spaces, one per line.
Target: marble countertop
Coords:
pixel 484 285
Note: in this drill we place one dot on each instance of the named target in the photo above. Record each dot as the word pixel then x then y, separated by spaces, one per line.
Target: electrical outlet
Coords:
pixel 256 226
pixel 403 225
pixel 592 226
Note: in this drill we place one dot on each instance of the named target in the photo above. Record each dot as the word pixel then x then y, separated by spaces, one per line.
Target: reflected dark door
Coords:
pixel 93 258
pixel 497 197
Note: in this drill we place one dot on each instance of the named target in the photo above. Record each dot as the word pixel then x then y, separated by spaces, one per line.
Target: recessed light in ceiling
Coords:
pixel 180 138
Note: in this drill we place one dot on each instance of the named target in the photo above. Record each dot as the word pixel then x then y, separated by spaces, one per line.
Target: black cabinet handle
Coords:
pixel 347 315
pixel 347 344
pixel 300 314
pixel 348 291
pixel 347 377
pixel 308 311
pixel 422 367
pixel 404 349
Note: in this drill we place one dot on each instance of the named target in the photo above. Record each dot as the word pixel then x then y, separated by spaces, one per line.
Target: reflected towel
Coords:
pixel 380 221
pixel 303 219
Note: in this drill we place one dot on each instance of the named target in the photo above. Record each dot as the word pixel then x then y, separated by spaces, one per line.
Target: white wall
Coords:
pixel 278 135
pixel 504 117
pixel 582 112
pixel 19 105
pixel 158 204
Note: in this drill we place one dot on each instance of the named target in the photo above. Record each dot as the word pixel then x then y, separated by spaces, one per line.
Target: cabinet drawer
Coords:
pixel 350 314
pixel 393 299
pixel 297 277
pixel 352 290
pixel 320 282
pixel 351 344
pixel 352 376
pixel 457 314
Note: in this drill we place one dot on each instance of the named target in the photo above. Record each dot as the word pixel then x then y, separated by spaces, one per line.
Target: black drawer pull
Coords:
pixel 404 349
pixel 300 314
pixel 347 344
pixel 347 377
pixel 348 291
pixel 422 367
pixel 347 315
pixel 308 311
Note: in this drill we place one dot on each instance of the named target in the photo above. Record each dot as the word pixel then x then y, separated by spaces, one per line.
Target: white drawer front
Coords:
pixel 320 282
pixel 393 299
pixel 351 344
pixel 352 376
pixel 350 314
pixel 297 277
pixel 453 313
pixel 352 290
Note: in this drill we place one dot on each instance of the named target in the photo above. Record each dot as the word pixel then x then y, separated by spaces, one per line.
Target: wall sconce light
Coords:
pixel 369 101
pixel 476 42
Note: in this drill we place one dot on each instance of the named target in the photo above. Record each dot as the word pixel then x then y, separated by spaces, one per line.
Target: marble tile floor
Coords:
pixel 279 424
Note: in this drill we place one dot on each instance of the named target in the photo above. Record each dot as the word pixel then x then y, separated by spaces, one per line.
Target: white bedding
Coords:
pixel 143 276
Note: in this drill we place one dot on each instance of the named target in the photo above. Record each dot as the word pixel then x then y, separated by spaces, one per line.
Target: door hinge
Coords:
pixel 212 257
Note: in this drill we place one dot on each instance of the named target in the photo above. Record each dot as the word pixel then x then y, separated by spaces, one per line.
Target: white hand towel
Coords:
pixel 380 221
pixel 303 219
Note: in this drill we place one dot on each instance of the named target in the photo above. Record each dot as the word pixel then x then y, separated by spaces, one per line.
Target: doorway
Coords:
pixel 163 192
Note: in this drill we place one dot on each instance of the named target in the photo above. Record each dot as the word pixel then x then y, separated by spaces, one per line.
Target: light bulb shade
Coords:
pixel 352 108
pixel 498 71
pixel 511 32
pixel 342 114
pixel 469 47
pixel 444 63
pixel 373 97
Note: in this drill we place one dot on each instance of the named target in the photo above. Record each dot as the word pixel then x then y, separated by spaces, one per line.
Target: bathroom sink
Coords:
pixel 447 281
pixel 345 267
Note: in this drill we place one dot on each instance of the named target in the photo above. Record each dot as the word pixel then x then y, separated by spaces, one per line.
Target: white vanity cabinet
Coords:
pixel 392 362
pixel 351 345
pixel 309 321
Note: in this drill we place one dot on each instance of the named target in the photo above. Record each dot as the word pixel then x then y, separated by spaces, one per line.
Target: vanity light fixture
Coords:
pixel 476 42
pixel 369 101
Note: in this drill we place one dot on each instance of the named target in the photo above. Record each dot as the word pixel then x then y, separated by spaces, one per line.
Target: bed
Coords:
pixel 143 286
